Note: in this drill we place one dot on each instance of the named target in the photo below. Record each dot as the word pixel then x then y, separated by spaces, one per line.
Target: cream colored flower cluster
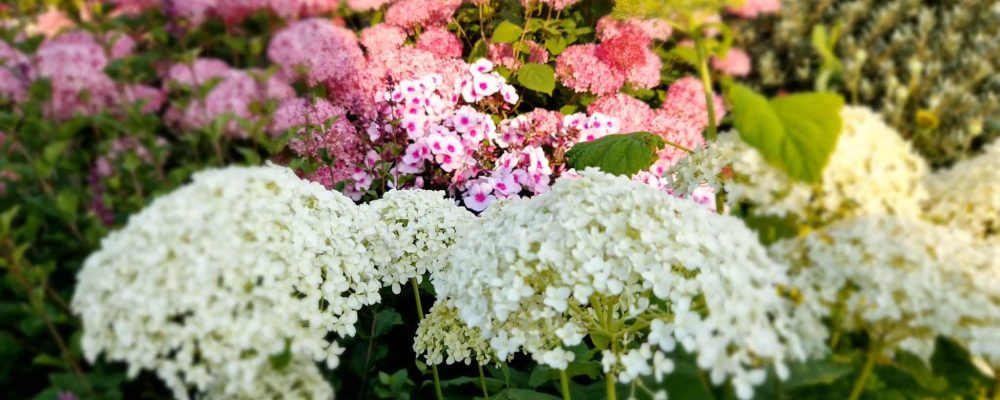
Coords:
pixel 300 379
pixel 872 171
pixel 604 254
pixel 967 196
pixel 443 337
pixel 425 225
pixel 209 281
pixel 901 280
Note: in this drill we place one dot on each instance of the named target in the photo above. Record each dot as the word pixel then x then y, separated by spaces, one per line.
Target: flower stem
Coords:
pixel 706 82
pixel 866 372
pixel 482 382
pixel 609 383
pixel 564 380
pixel 420 315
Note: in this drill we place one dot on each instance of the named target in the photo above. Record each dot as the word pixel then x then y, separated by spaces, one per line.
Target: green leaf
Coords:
pixel 621 154
pixel 507 32
pixel 818 372
pixel 55 150
pixel 385 320
pixel 556 45
pixel 795 133
pixel 538 77
pixel 281 360
pixel 478 51
pixel 523 394
pixel 686 54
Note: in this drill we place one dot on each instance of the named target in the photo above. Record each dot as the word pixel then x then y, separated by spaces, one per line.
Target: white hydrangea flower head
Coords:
pixel 443 337
pixel 871 171
pixel 208 281
pixel 903 281
pixel 967 196
pixel 425 224
pixel 300 379
pixel 543 272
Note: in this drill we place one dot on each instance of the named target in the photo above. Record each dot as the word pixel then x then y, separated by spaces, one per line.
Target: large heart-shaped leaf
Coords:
pixel 622 154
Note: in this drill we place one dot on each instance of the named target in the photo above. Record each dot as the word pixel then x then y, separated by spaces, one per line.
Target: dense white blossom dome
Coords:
pixel 901 280
pixel 425 225
pixel 541 273
pixel 967 196
pixel 443 337
pixel 300 380
pixel 209 281
pixel 871 171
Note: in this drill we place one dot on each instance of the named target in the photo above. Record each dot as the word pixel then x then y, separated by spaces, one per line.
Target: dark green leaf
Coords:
pixel 622 154
pixel 818 372
pixel 524 394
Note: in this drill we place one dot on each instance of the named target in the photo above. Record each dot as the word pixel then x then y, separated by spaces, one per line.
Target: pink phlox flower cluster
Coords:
pixel 554 4
pixel 735 63
pixel 623 56
pixel 317 50
pixel 503 54
pixel 237 10
pixel 74 64
pixel 121 44
pixel 754 8
pixel 411 14
pixel 540 127
pixel 440 42
pixel 341 141
pixel 450 133
pixel 634 114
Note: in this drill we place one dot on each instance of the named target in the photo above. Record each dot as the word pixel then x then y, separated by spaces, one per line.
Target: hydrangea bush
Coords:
pixel 459 199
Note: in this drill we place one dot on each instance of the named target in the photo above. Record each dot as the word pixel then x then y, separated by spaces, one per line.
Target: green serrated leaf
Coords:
pixel 538 77
pixel 818 372
pixel 621 154
pixel 506 32
pixel 556 45
pixel 795 133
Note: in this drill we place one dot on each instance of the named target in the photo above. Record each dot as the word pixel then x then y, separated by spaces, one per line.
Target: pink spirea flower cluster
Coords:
pixel 440 42
pixel 231 98
pixel 340 139
pixel 366 5
pixel 624 55
pixel 735 63
pixel 682 118
pixel 74 65
pixel 411 14
pixel 197 11
pixel 15 73
pixel 754 8
pixel 503 54
pixel 555 4
pixel 317 50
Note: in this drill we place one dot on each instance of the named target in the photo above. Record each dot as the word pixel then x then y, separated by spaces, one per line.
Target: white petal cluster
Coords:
pixel 299 380
pixel 903 281
pixel 443 337
pixel 967 196
pixel 424 224
pixel 542 273
pixel 871 171
pixel 243 263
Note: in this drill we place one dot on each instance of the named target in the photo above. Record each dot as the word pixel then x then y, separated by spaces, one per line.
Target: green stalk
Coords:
pixel 609 383
pixel 866 372
pixel 706 82
pixel 420 315
pixel 564 381
pixel 482 382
